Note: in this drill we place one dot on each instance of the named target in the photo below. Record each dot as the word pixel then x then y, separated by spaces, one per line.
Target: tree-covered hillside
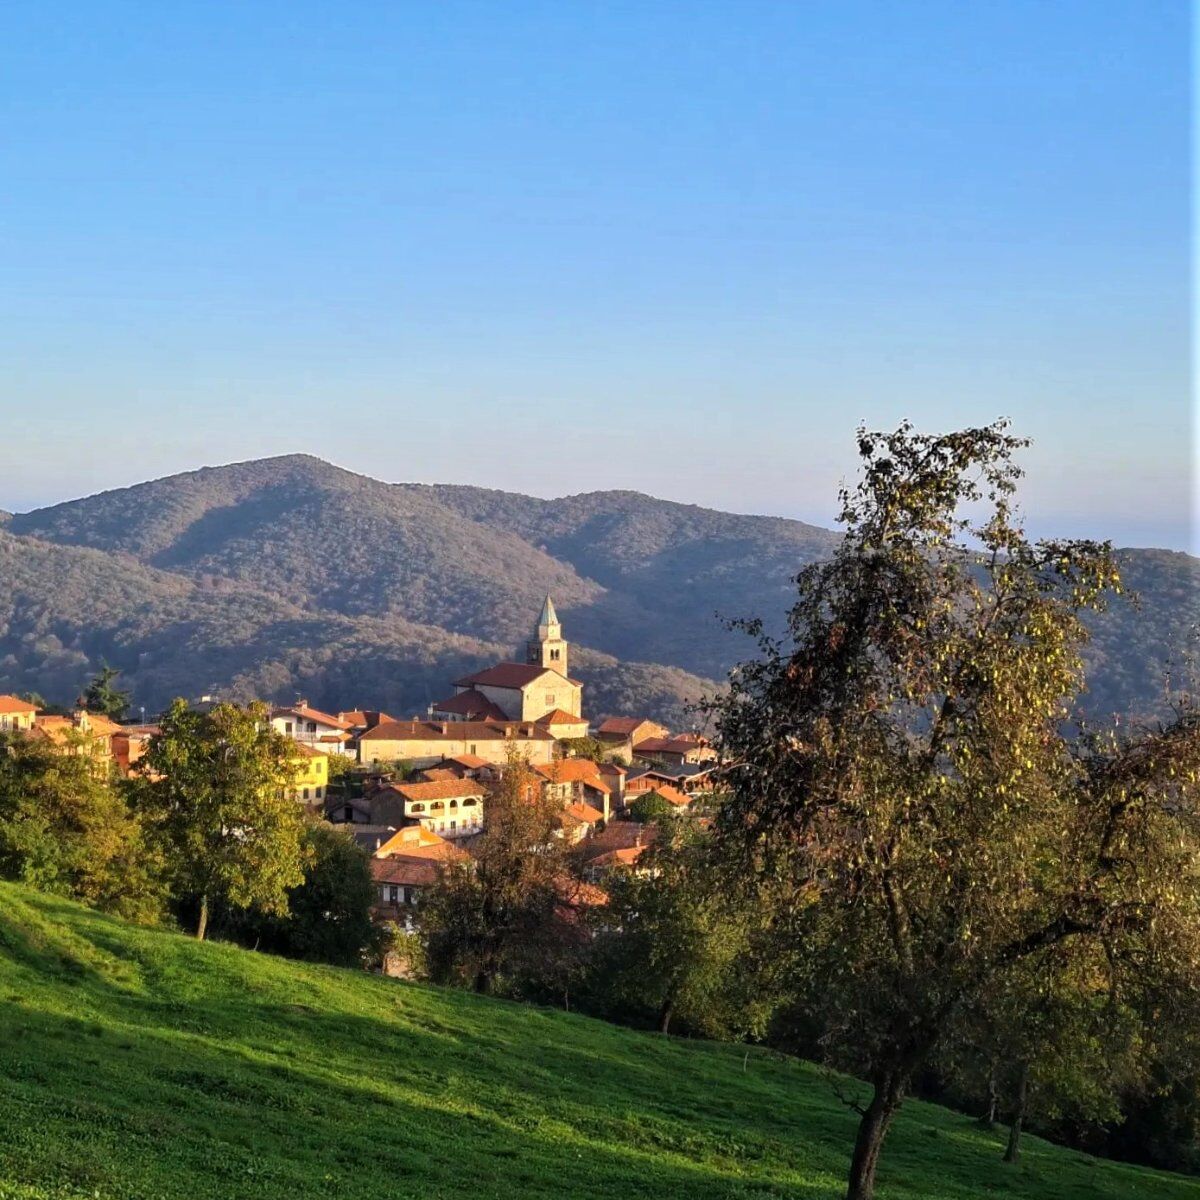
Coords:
pixel 290 574
pixel 66 610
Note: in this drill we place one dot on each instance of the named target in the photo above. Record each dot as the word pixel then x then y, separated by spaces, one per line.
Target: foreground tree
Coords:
pixel 66 829
pixel 901 763
pixel 494 920
pixel 214 785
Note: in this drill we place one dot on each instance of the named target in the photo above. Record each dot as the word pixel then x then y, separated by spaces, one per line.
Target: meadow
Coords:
pixel 136 1063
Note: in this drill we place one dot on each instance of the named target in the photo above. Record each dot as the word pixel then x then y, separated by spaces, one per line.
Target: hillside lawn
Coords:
pixel 136 1063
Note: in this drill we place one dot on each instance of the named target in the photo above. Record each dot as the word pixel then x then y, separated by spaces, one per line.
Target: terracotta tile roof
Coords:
pixel 625 857
pixel 470 761
pixel 622 726
pixel 652 745
pixel 307 751
pixel 439 789
pixel 310 714
pixel 672 795
pixel 585 813
pixel 505 675
pixel 471 704
pixel 559 716
pixel 683 744
pixel 363 718
pixel 578 894
pixel 574 770
pixel 438 774
pixel 11 704
pixel 455 731
pixel 409 870
pixel 620 835
pixel 102 726
pixel 415 840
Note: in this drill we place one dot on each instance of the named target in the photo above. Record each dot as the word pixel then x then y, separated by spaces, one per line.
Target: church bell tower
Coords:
pixel 547 647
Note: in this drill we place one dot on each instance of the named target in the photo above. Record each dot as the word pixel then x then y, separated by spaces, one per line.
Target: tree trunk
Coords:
pixel 483 983
pixel 1013 1150
pixel 664 1015
pixel 202 919
pixel 872 1129
pixel 988 1119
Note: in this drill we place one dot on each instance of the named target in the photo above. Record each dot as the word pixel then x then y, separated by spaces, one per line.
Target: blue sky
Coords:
pixel 683 248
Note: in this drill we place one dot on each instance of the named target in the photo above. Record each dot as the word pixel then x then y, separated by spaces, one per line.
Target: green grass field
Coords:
pixel 136 1063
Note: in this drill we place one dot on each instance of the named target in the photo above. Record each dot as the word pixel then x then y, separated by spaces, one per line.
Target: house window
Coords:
pixel 408 895
pixel 550 700
pixel 453 826
pixel 473 750
pixel 306 793
pixel 554 656
pixel 317 792
pixel 287 727
pixel 312 727
pixel 393 895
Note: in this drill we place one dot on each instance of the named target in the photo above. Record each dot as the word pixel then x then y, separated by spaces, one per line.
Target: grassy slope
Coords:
pixel 134 1063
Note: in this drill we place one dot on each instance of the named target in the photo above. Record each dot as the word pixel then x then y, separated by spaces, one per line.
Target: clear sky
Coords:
pixel 564 246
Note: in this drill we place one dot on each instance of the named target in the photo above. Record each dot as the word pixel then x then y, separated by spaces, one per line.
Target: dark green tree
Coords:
pixel 103 696
pixel 329 914
pixel 214 785
pixel 649 806
pixel 677 939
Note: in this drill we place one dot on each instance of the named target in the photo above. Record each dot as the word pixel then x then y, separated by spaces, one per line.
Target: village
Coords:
pixel 412 792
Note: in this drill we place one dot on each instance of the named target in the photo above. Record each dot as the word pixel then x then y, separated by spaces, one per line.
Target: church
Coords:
pixel 537 689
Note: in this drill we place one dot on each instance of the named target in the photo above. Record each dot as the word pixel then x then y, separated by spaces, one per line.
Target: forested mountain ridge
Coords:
pixel 290 574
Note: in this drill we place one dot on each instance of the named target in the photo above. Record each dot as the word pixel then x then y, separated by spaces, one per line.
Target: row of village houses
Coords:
pixel 451 758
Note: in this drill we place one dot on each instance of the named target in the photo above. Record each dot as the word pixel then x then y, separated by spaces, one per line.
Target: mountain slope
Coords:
pixel 324 538
pixel 392 575
pixel 139 1063
pixel 66 610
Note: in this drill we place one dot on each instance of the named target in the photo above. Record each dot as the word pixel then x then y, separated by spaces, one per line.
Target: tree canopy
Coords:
pixel 904 760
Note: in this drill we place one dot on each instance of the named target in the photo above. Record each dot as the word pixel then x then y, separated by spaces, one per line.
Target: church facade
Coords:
pixel 528 691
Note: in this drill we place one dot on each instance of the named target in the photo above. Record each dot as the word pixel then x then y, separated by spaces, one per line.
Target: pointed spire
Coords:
pixel 549 616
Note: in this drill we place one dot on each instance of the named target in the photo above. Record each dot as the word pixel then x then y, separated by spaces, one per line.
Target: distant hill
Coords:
pixel 289 574
pixel 142 1063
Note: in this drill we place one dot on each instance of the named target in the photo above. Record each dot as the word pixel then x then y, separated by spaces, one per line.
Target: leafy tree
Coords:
pixel 490 920
pixel 329 913
pixel 676 939
pixel 214 785
pixel 64 829
pixel 902 762
pixel 1050 1041
pixel 103 696
pixel 584 747
pixel 649 806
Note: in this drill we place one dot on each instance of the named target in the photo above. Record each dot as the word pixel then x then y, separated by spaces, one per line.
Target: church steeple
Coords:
pixel 547 647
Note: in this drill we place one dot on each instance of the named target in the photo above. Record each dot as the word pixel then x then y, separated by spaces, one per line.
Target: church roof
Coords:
pixel 549 616
pixel 505 675
pixel 471 704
